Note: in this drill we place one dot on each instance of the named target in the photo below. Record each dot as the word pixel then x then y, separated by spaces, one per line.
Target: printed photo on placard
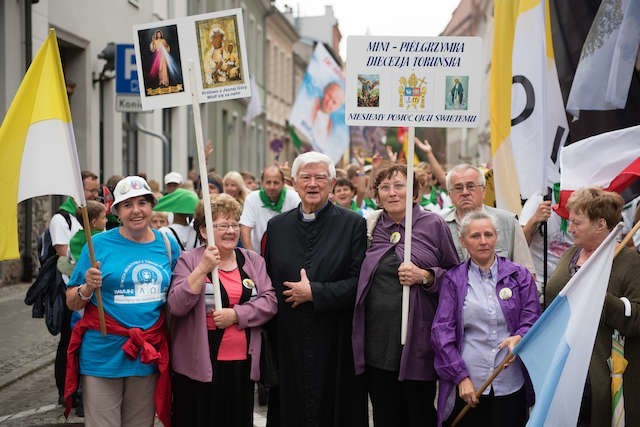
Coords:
pixel 219 52
pixel 160 57
pixel 368 90
pixel 456 92
pixel 201 54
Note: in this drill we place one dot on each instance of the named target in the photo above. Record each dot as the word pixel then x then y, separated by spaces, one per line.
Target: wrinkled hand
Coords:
pixel 424 146
pixel 410 274
pixel 467 392
pixel 93 277
pixel 225 317
pixel 543 212
pixel 510 343
pixel 210 259
pixel 298 292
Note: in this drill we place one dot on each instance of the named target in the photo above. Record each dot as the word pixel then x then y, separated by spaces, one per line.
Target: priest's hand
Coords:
pixel 298 292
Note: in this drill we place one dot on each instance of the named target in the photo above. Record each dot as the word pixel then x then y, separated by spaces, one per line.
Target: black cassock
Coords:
pixel 318 386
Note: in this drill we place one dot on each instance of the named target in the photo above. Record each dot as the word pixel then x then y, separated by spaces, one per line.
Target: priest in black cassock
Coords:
pixel 313 256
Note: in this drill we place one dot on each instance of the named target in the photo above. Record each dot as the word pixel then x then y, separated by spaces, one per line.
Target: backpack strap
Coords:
pixel 67 217
pixel 177 238
pixel 167 245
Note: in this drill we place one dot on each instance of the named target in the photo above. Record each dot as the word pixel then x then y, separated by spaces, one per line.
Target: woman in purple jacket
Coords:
pixel 486 305
pixel 400 379
pixel 215 355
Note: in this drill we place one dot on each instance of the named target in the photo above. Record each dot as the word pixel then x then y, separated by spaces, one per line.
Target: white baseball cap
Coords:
pixel 173 177
pixel 131 186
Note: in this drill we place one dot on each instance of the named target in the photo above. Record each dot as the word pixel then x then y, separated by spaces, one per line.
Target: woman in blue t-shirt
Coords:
pixel 124 374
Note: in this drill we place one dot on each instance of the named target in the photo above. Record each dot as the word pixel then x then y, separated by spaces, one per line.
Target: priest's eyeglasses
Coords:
pixel 318 178
pixel 225 227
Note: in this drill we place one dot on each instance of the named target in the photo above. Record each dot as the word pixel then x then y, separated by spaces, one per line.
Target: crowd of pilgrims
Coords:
pixel 311 270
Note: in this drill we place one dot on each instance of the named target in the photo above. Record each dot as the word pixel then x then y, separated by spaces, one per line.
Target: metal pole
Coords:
pixel 27 259
pixel 166 151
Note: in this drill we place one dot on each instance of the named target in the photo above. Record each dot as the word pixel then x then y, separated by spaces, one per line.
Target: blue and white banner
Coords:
pixel 414 82
pixel 557 349
pixel 318 112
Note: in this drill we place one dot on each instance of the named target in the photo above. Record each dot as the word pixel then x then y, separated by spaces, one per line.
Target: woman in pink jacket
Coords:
pixel 216 353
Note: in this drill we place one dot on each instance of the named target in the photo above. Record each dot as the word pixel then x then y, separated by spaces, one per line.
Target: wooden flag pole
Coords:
pixel 507 360
pixel 92 257
pixel 626 239
pixel 408 222
pixel 204 180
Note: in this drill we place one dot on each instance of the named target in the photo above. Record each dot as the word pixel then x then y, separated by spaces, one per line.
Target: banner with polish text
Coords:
pixel 417 82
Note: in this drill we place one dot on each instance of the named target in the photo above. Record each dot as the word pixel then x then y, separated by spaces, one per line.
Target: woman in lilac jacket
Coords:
pixel 486 305
pixel 215 354
pixel 400 379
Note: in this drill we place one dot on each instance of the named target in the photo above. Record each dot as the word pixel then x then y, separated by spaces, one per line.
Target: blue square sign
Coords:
pixel 126 71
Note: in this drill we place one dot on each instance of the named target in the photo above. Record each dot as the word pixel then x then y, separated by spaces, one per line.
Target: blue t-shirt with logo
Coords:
pixel 135 282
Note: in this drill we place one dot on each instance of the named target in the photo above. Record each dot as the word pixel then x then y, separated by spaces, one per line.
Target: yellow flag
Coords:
pixel 507 192
pixel 37 144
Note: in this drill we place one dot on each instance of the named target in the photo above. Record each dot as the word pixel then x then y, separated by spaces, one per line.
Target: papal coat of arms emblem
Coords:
pixel 412 91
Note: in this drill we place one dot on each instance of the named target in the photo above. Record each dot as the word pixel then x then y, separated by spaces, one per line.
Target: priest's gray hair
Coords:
pixel 461 168
pixel 476 216
pixel 312 157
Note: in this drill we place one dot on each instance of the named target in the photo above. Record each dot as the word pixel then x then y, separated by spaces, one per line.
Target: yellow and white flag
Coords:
pixel 37 144
pixel 504 171
pixel 538 120
pixel 528 122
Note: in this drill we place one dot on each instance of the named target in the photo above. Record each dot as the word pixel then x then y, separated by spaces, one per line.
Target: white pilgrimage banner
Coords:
pixel 415 82
pixel 215 43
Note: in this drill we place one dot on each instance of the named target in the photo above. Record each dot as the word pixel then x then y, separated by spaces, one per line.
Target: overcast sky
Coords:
pixel 380 18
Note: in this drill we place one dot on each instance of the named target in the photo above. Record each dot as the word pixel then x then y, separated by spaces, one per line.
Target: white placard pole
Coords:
pixel 204 180
pixel 408 222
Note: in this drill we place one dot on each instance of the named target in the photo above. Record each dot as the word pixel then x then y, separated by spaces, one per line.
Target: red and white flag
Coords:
pixel 610 160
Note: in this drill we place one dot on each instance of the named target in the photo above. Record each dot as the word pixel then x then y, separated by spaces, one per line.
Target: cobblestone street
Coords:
pixel 28 395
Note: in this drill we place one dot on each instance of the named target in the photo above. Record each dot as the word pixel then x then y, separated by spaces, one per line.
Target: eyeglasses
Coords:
pixel 225 227
pixel 307 178
pixel 385 188
pixel 469 186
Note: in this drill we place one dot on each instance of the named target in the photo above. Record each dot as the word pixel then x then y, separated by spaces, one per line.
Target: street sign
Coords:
pixel 127 88
pixel 126 71
pixel 129 104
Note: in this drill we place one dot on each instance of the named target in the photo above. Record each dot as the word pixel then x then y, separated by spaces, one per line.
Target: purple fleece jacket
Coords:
pixel 520 311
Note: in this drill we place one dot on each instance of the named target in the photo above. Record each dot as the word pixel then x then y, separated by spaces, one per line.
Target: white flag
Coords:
pixel 538 121
pixel 254 108
pixel 607 60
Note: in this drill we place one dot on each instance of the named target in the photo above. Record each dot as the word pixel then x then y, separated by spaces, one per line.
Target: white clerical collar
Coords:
pixel 310 217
